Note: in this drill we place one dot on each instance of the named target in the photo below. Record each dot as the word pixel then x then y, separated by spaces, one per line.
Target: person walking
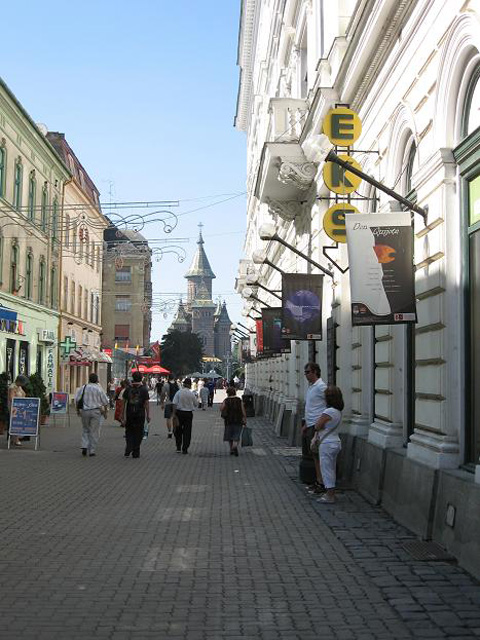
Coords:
pixel 211 392
pixel 204 394
pixel 232 411
pixel 315 405
pixel 119 401
pixel 158 389
pixel 93 409
pixel 329 443
pixel 184 404
pixel 136 412
pixel 169 390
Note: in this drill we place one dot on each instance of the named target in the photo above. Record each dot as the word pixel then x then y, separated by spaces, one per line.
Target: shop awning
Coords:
pixel 7 314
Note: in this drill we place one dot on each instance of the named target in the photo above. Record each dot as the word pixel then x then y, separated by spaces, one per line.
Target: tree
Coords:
pixel 181 351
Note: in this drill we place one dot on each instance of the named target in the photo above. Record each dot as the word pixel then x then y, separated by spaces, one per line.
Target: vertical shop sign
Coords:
pixel 382 281
pixel 50 368
pixel 302 306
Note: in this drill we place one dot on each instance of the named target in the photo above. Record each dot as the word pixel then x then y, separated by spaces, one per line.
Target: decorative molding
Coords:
pixel 436 291
pixel 429 328
pixel 428 261
pixel 298 174
pixel 287 210
pixel 430 362
pixel 435 397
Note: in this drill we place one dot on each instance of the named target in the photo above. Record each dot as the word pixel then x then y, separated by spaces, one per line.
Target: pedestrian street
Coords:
pixel 206 546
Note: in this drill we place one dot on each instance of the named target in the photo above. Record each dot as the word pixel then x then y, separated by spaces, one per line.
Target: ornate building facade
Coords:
pixel 200 314
pixel 411 71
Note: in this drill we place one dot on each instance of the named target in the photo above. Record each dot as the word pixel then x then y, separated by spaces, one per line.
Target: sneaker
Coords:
pixel 90 455
pixel 179 451
pixel 169 435
pixel 84 452
pixel 326 499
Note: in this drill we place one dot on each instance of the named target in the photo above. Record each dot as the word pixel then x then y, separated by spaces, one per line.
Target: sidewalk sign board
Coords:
pixel 60 406
pixel 24 418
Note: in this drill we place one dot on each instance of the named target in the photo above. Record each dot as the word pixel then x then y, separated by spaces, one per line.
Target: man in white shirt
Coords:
pixel 94 408
pixel 184 404
pixel 315 405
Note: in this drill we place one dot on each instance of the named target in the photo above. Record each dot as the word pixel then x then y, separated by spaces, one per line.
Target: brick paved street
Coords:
pixel 205 547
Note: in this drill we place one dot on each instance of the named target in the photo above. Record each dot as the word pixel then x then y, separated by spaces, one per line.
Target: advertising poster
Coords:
pixel 24 416
pixel 59 402
pixel 302 306
pixel 259 327
pixel 272 332
pixel 380 256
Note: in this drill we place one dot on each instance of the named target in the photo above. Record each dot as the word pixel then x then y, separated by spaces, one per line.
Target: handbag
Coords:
pixel 247 440
pixel 80 400
pixel 317 440
pixel 145 430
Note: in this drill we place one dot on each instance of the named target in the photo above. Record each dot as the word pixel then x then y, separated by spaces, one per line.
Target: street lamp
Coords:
pixel 252 279
pixel 269 232
pixel 260 257
pixel 247 293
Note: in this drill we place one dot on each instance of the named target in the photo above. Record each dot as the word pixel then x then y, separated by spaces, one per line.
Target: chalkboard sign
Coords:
pixel 24 416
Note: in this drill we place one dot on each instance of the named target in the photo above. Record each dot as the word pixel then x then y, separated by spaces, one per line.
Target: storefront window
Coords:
pixel 23 359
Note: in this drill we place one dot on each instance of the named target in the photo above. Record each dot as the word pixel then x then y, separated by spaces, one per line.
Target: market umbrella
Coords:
pixel 195 374
pixel 156 368
pixel 212 374
pixel 142 368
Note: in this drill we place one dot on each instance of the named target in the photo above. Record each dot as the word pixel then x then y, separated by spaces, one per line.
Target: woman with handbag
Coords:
pixel 233 413
pixel 327 440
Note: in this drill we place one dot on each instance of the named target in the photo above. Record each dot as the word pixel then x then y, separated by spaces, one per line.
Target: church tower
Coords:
pixel 199 297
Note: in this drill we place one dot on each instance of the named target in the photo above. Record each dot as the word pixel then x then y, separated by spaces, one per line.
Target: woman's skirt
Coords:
pixel 232 432
pixel 118 409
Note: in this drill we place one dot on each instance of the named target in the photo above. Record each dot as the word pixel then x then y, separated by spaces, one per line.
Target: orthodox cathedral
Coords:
pixel 200 314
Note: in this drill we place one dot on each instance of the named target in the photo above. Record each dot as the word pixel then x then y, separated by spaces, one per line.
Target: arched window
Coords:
pixel 32 190
pixel 29 276
pixel 471 118
pixel 14 269
pixel 41 282
pixel 408 187
pixel 54 220
pixel 3 170
pixel 74 238
pixel 44 208
pixel 17 184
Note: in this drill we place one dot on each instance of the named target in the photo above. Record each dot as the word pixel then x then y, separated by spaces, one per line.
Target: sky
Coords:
pixel 145 93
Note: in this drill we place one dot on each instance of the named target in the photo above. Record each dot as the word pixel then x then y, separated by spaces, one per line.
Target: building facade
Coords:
pixel 200 314
pixel 410 71
pixel 31 203
pixel 127 297
pixel 81 275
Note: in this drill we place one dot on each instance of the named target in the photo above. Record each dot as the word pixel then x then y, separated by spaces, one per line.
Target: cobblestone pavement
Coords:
pixel 205 547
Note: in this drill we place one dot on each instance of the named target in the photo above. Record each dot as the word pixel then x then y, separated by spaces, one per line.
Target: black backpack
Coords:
pixel 173 390
pixel 135 401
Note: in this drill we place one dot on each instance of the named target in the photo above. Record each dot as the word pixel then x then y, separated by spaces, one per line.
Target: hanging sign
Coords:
pixel 259 327
pixel 338 179
pixel 272 332
pixel 342 126
pixel 302 306
pixel 334 221
pixel 380 254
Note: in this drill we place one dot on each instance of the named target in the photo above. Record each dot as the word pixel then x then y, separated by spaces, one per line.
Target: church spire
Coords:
pixel 200 267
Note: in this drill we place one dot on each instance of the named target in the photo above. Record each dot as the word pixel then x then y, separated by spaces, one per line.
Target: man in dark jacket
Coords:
pixel 136 411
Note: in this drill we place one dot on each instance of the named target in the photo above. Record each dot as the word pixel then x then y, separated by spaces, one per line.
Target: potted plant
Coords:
pixel 3 402
pixel 39 390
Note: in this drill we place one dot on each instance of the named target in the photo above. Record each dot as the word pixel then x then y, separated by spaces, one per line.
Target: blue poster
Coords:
pixel 24 416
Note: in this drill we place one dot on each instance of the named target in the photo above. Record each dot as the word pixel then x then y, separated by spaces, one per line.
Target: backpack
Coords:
pixel 172 390
pixel 135 401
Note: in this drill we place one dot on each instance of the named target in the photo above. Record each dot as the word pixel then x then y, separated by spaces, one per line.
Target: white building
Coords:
pixel 410 70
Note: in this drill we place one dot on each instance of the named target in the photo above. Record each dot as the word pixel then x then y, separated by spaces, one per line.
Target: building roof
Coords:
pixel 223 316
pixel 181 317
pixel 200 266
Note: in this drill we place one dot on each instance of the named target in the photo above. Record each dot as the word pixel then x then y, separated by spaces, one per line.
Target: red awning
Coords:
pixel 156 368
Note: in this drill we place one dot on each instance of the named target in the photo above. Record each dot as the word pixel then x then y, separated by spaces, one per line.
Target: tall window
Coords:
pixel 97 309
pixel 53 288
pixel 72 300
pixel 2 246
pixel 54 220
pixel 14 269
pixel 80 300
pixel 74 237
pixel 32 191
pixel 65 293
pixel 44 208
pixel 98 259
pixel 3 170
pixel 67 231
pixel 29 276
pixel 123 303
pixel 41 283
pixel 17 185
pixel 85 304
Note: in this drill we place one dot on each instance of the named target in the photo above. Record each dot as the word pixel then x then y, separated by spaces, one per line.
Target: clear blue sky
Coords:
pixel 145 92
